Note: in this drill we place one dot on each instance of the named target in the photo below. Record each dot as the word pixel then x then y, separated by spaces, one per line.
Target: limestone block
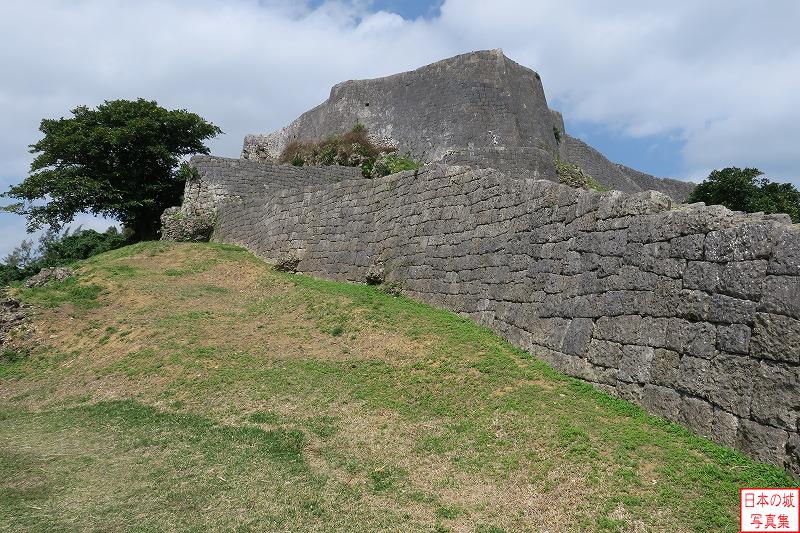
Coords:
pixel 786 251
pixel 724 427
pixel 730 383
pixel 605 353
pixel 742 242
pixel 635 364
pixel 776 337
pixel 734 338
pixel 661 401
pixel 728 310
pixel 782 295
pixel 689 247
pixel 577 337
pixel 697 415
pixel 743 279
pixel 702 276
pixel 764 443
pixel 665 368
pixel 693 375
pixel 776 395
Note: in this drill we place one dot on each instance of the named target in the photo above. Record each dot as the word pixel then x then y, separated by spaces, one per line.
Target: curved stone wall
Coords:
pixel 692 312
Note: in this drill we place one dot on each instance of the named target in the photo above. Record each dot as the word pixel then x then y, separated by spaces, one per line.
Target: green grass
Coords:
pixel 82 296
pixel 257 400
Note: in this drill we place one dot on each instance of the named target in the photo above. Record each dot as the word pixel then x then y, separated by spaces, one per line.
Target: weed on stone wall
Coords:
pixel 352 149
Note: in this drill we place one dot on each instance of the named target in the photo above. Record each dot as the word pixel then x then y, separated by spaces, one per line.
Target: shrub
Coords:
pixel 351 149
pixel 745 190
pixel 391 163
pixel 57 249
pixel 574 176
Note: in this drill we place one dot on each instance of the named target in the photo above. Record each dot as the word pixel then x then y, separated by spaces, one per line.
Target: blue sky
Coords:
pixel 674 89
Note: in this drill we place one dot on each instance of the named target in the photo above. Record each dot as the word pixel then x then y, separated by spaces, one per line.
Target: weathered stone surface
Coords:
pixel 743 279
pixel 742 242
pixel 786 252
pixel 693 338
pixel 776 337
pixel 729 383
pixel 46 275
pixel 764 443
pixel 662 401
pixel 635 364
pixel 729 310
pixel 287 262
pixel 776 395
pixel 605 353
pixel 13 317
pixel 724 428
pixel 702 276
pixel 577 337
pixel 697 415
pixel 782 295
pixel 665 368
pixel 734 338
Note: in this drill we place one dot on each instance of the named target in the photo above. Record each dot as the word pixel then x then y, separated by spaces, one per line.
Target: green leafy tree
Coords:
pixel 746 190
pixel 120 160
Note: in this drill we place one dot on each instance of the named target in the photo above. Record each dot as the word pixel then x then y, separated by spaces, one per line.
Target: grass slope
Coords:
pixel 191 387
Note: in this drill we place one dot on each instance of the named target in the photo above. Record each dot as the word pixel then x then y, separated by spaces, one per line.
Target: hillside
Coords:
pixel 191 386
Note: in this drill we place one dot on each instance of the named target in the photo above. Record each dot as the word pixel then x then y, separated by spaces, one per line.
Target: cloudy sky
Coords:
pixel 672 88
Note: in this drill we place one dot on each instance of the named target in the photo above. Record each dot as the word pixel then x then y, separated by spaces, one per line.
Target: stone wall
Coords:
pixel 480 108
pixel 692 312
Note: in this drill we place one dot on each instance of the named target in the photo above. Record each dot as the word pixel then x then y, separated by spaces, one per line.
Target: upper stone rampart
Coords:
pixel 479 109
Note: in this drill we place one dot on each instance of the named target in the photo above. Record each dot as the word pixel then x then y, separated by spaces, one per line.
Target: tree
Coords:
pixel 120 160
pixel 745 190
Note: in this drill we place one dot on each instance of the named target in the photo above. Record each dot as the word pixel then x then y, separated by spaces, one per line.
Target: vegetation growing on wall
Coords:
pixel 574 176
pixel 746 190
pixel 352 149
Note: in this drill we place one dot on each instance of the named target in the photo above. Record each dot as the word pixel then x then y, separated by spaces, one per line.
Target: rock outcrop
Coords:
pixel 479 109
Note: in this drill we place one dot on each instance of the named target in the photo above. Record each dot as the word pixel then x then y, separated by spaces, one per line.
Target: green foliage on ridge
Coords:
pixel 746 190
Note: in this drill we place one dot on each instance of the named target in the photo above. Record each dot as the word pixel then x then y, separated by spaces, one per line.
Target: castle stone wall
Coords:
pixel 480 109
pixel 691 312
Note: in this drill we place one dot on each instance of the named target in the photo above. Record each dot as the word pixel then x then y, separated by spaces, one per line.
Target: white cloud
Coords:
pixel 722 74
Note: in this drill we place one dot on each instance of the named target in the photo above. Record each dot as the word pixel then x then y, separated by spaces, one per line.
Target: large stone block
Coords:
pixel 624 329
pixel 744 279
pixel 786 252
pixel 665 368
pixel 661 401
pixel 689 247
pixel 776 395
pixel 764 443
pixel 734 338
pixel 702 276
pixel 729 310
pixel 729 383
pixel 693 338
pixel 776 337
pixel 694 376
pixel 741 242
pixel 781 296
pixel 697 415
pixel 605 353
pixel 635 364
pixel 577 337
pixel 724 428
